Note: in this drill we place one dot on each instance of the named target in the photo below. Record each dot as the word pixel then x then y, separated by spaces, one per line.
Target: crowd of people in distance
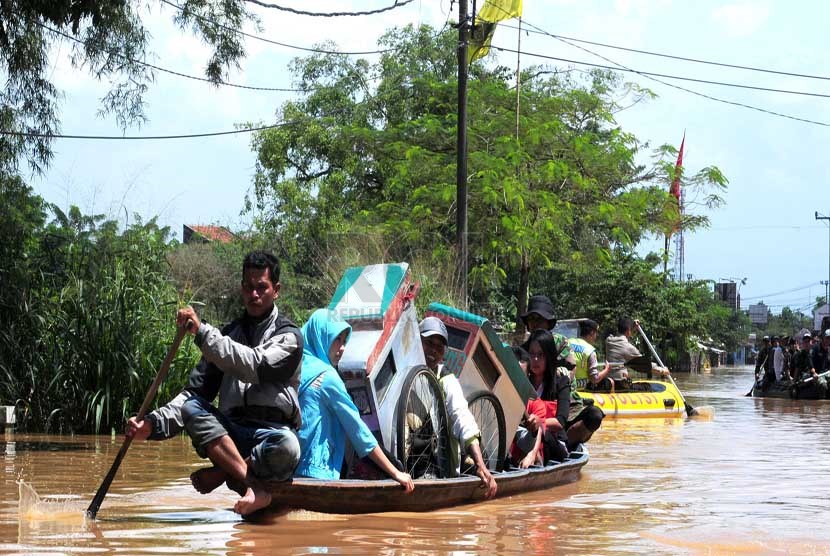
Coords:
pixel 283 410
pixel 784 363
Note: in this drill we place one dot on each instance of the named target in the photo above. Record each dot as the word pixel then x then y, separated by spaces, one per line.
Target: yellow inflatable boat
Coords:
pixel 646 398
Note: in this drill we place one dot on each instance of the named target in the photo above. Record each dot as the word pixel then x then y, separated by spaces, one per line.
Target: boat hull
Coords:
pixel 359 496
pixel 807 391
pixel 647 398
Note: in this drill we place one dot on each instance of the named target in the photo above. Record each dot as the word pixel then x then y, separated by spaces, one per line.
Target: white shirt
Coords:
pixel 778 362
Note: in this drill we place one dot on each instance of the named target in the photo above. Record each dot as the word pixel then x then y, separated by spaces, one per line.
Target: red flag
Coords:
pixel 675 184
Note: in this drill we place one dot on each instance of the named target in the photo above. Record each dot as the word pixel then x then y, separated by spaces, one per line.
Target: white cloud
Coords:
pixel 741 19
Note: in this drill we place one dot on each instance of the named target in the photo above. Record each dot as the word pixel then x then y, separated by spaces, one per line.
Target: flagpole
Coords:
pixel 461 164
pixel 518 76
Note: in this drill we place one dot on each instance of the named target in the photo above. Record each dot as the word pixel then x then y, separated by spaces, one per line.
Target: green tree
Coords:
pixel 108 39
pixel 372 150
pixel 86 315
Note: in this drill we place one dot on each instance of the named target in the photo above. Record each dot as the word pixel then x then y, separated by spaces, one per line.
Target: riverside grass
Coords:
pixel 93 317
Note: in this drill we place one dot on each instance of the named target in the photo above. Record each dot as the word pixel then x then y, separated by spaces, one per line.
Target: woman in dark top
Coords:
pixel 554 389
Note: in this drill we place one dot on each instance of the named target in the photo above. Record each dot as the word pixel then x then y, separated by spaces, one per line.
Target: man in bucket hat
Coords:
pixel 540 314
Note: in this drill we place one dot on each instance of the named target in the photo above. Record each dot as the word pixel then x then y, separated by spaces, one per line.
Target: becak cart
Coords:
pixel 401 401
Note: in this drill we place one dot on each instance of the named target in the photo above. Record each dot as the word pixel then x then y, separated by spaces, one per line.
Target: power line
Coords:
pixel 620 67
pixel 678 87
pixel 145 137
pixel 710 97
pixel 397 4
pixel 277 43
pixel 784 292
pixel 674 57
pixel 173 72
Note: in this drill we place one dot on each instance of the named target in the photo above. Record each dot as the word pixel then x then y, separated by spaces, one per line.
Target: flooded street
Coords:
pixel 751 481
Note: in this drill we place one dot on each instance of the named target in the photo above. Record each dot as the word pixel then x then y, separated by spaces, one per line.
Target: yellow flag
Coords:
pixel 492 12
pixel 499 10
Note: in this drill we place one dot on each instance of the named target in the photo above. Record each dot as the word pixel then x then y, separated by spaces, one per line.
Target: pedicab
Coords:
pixel 401 401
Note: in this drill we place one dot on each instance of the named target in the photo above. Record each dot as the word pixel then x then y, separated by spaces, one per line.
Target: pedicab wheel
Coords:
pixel 489 415
pixel 423 436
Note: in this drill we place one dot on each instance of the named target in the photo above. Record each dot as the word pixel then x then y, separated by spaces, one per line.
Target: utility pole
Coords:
pixel 461 170
pixel 821 217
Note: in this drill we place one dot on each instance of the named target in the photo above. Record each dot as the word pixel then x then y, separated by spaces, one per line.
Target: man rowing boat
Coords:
pixel 253 364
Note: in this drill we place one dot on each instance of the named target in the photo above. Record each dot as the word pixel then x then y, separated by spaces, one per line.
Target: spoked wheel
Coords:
pixel 422 426
pixel 489 415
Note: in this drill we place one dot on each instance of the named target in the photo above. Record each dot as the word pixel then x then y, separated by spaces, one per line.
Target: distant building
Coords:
pixel 819 314
pixel 727 293
pixel 758 313
pixel 206 234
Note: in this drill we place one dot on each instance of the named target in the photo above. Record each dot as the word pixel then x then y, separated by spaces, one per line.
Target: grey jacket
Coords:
pixel 619 350
pixel 253 367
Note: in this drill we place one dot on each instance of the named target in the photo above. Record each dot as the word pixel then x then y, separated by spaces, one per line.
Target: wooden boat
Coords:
pixel 646 398
pixel 350 496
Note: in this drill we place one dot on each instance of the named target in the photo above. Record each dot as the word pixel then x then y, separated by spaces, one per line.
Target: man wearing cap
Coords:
pixel 463 426
pixel 539 314
pixel 819 362
pixel 801 364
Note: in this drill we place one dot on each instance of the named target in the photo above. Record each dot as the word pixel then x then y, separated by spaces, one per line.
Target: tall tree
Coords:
pixel 373 148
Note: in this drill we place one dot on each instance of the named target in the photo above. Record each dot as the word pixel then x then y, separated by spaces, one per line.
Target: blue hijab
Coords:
pixel 319 333
pixel 329 414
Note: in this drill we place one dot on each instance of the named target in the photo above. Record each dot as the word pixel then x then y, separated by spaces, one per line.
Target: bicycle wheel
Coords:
pixel 489 415
pixel 422 426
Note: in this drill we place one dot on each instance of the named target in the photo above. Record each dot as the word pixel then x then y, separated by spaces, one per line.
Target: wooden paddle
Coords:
pixel 92 510
pixel 690 411
pixel 748 394
pixel 810 378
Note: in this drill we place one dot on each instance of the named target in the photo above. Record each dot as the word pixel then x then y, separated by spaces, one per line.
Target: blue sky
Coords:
pixel 766 232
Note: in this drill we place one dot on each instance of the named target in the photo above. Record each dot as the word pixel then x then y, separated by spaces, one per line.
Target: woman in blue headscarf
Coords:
pixel 327 409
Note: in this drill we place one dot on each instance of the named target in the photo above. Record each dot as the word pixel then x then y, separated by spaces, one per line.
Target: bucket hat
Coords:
pixel 541 305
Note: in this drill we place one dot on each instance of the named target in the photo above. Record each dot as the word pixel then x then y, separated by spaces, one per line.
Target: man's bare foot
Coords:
pixel 207 479
pixel 236 486
pixel 252 501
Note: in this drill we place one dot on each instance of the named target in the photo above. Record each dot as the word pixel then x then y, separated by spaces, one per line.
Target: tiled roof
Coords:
pixel 214 233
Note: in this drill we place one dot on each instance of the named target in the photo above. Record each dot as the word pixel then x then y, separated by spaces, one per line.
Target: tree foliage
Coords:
pixel 107 39
pixel 372 150
pixel 86 316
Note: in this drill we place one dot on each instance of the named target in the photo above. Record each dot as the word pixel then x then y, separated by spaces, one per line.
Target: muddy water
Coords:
pixel 752 481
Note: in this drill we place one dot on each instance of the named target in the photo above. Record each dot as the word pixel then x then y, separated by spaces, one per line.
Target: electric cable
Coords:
pixel 678 87
pixel 397 4
pixel 277 43
pixel 784 292
pixel 620 67
pixel 173 72
pixel 142 137
pixel 674 57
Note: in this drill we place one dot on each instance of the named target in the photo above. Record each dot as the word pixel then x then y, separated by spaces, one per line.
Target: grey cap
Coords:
pixel 807 335
pixel 431 326
pixel 827 333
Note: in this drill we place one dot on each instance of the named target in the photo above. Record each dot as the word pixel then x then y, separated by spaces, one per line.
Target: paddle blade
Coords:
pixel 704 412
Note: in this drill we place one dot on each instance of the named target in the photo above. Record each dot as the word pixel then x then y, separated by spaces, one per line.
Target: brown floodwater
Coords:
pixel 753 480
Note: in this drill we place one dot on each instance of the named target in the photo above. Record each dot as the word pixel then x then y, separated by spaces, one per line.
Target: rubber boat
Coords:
pixel 646 398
